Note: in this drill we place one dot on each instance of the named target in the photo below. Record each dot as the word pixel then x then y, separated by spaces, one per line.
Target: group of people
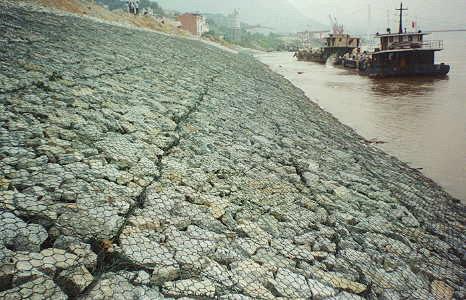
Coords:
pixel 133 7
pixel 356 59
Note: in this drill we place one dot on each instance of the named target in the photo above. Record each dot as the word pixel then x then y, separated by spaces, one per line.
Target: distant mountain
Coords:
pixel 278 14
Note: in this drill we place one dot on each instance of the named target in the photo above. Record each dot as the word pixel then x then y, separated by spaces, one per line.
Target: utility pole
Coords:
pixel 401 9
pixel 369 20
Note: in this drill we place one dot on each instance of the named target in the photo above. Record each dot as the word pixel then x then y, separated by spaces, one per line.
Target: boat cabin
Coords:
pixel 338 44
pixel 404 40
pixel 342 40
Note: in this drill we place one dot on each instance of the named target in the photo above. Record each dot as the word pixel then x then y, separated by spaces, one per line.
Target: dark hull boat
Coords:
pixel 428 70
pixel 310 55
pixel 323 54
pixel 404 54
pixel 419 62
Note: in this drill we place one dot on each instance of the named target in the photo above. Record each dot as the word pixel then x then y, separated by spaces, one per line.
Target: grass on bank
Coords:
pixel 217 36
pixel 91 9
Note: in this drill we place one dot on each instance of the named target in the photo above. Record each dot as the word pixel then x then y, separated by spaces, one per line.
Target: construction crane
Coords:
pixel 336 28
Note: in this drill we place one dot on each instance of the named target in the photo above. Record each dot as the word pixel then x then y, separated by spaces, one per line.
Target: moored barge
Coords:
pixel 336 44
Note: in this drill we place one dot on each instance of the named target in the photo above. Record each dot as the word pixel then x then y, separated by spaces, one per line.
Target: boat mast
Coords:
pixel 401 9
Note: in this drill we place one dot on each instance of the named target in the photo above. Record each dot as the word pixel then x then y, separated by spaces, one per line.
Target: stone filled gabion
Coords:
pixel 135 165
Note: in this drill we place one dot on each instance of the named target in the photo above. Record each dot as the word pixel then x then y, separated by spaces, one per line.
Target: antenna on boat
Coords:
pixel 388 18
pixel 369 20
pixel 401 9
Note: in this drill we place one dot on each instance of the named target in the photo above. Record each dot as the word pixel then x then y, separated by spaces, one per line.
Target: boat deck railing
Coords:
pixel 434 44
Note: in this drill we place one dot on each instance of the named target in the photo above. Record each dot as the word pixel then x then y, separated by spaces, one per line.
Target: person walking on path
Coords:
pixel 130 6
pixel 136 7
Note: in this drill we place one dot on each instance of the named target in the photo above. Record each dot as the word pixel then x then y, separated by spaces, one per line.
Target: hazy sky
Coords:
pixel 291 15
pixel 431 14
pixel 281 15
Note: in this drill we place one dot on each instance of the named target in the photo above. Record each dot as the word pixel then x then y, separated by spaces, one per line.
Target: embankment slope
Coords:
pixel 137 165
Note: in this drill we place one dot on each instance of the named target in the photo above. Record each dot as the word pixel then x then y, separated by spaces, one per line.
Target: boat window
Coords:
pixel 410 38
pixel 390 39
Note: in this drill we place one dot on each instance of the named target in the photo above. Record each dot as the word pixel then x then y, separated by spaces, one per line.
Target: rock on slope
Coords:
pixel 140 166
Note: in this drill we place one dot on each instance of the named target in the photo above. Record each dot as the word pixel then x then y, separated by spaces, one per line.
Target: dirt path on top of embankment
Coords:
pixel 137 165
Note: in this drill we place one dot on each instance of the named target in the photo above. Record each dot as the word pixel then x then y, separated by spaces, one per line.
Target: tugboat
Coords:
pixel 404 54
pixel 336 44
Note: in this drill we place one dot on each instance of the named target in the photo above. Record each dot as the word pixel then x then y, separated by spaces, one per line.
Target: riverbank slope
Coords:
pixel 135 165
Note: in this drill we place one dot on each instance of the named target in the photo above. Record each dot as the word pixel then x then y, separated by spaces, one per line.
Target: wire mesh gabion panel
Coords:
pixel 157 168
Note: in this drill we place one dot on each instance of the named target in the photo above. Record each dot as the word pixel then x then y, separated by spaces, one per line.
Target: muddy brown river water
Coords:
pixel 421 120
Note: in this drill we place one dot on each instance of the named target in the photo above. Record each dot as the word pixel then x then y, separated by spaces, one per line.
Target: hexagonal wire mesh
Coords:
pixel 180 173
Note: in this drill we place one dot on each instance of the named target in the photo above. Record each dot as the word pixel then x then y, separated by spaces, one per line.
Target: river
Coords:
pixel 421 120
